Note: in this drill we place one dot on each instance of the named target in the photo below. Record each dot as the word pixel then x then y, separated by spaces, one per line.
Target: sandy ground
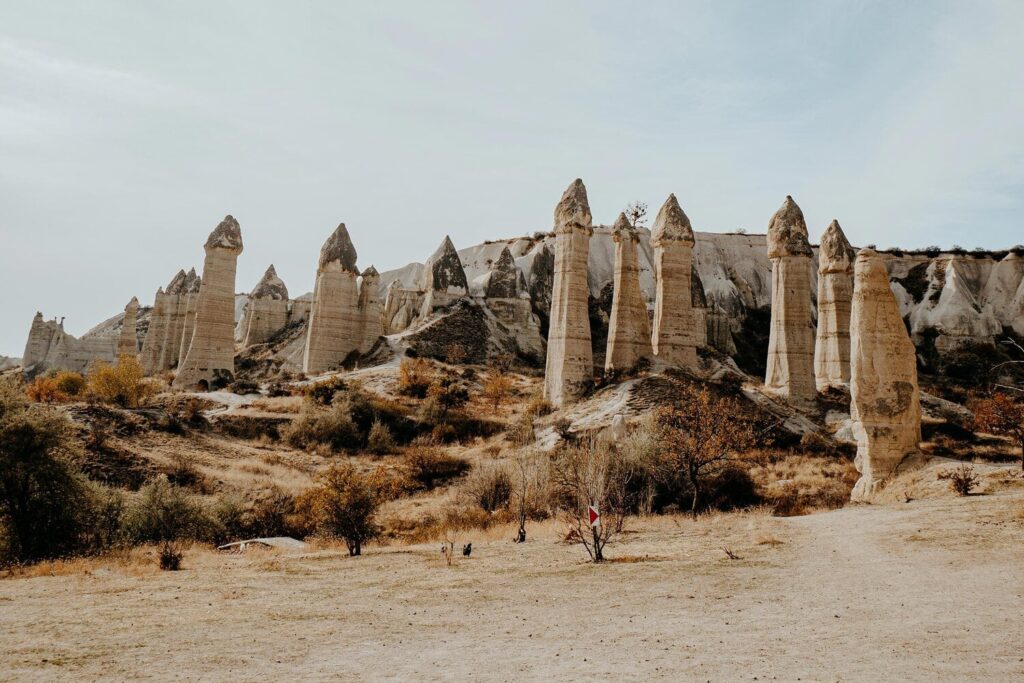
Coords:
pixel 927 590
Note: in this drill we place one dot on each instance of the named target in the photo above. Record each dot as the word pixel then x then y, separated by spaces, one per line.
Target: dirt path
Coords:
pixel 933 590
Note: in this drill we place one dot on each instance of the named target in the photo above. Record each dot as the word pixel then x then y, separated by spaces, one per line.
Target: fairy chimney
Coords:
pixel 188 321
pixel 371 313
pixel 444 279
pixel 267 309
pixel 569 372
pixel 790 372
pixel 128 341
pixel 835 296
pixel 334 321
pixel 885 406
pixel 210 360
pixel 629 330
pixel 678 327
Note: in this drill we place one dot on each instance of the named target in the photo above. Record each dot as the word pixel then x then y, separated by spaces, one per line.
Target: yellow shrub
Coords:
pixel 122 384
pixel 70 383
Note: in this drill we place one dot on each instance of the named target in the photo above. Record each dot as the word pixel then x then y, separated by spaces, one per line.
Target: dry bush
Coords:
pixel 380 441
pixel 530 495
pixel 521 433
pixel 489 487
pixel 344 503
pixel 322 393
pixel 183 472
pixel 121 384
pixel 794 484
pixel 70 383
pixel 448 392
pixel 429 467
pixel 414 377
pixel 962 480
pixel 44 389
pixel 330 427
pixel 170 557
pixel 1003 414
pixel 539 406
pixel 497 388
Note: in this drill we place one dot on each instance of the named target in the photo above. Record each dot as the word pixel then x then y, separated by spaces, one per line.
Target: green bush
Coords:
pixel 332 427
pixel 166 513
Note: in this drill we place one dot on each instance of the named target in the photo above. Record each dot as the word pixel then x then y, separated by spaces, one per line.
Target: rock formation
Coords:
pixel 569 370
pixel 175 302
pixel 790 371
pixel 885 406
pixel 835 296
pixel 266 310
pixel 210 359
pixel 443 280
pixel 371 315
pixel 506 296
pixel 629 329
pixel 152 345
pixel 128 340
pixel 678 330
pixel 335 328
pixel 188 321
pixel 50 347
pixel 401 306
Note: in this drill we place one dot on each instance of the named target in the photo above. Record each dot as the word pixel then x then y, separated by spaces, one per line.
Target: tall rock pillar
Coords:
pixel 790 371
pixel 188 321
pixel 678 329
pixel 210 359
pixel 267 309
pixel 835 296
pixel 370 311
pixel 569 370
pixel 885 406
pixel 334 322
pixel 128 342
pixel 152 345
pixel 629 330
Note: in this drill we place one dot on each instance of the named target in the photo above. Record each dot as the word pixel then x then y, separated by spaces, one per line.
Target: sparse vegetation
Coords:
pixel 429 466
pixel 344 504
pixel 380 440
pixel 1000 413
pixel 414 377
pixel 122 384
pixel 497 388
pixel 962 480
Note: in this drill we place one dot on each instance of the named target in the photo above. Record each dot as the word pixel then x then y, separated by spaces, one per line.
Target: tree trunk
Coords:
pixel 694 482
pixel 598 555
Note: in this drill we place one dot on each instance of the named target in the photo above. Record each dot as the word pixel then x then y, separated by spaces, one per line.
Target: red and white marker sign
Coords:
pixel 595 516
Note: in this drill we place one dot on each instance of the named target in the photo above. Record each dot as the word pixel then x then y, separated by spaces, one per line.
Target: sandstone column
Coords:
pixel 152 345
pixel 629 330
pixel 370 311
pixel 175 298
pixel 210 360
pixel 678 329
pixel 334 323
pixel 188 322
pixel 835 296
pixel 443 279
pixel 128 342
pixel 791 337
pixel 886 408
pixel 267 309
pixel 569 372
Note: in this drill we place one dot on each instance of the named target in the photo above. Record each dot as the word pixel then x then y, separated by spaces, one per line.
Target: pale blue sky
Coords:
pixel 128 129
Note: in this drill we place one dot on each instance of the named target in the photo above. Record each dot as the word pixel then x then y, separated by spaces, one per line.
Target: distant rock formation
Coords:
pixel 401 306
pixel 835 296
pixel 885 405
pixel 629 329
pixel 128 340
pixel 443 280
pixel 176 304
pixel 507 297
pixel 152 346
pixel 210 359
pixel 335 328
pixel 371 314
pixel 188 320
pixel 954 304
pixel 570 367
pixel 790 371
pixel 50 347
pixel 266 310
pixel 678 330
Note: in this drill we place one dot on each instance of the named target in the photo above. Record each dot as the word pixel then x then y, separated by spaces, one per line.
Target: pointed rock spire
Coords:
pixel 622 228
pixel 134 303
pixel 835 255
pixel 671 224
pixel 371 272
pixel 177 283
pixel 227 235
pixel 270 286
pixel 504 279
pixel 787 232
pixel 338 247
pixel 444 272
pixel 573 210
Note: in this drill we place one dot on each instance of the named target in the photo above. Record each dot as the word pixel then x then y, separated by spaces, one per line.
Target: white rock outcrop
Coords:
pixel 128 340
pixel 790 372
pixel 266 311
pixel 629 328
pixel 210 359
pixel 885 407
pixel 677 330
pixel 569 372
pixel 335 325
pixel 507 297
pixel 835 296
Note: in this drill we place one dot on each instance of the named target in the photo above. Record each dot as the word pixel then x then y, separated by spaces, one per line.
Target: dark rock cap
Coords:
pixel 444 269
pixel 504 278
pixel 371 272
pixel 338 247
pixel 835 255
pixel 622 229
pixel 270 286
pixel 227 235
pixel 573 210
pixel 787 232
pixel 671 224
pixel 178 283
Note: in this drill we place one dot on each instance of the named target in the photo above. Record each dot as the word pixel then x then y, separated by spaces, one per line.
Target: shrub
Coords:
pixel 344 504
pixel 962 480
pixel 270 511
pixel 243 387
pixel 165 513
pixel 170 557
pixel 414 377
pixel 322 393
pixel 428 466
pixel 122 384
pixel 69 383
pixel 448 393
pixel 539 406
pixel 332 427
pixel 521 433
pixel 44 389
pixel 41 496
pixel 380 441
pixel 490 487
pixel 497 388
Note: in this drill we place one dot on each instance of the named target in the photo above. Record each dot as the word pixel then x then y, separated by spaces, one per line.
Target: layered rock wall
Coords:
pixel 266 311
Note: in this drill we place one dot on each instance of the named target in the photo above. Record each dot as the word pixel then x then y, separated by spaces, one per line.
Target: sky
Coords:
pixel 128 130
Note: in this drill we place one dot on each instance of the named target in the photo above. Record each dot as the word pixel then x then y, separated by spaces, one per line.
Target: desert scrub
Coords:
pixel 332 427
pixel 380 440
pixel 121 384
pixel 429 467
pixel 489 487
pixel 344 504
pixel 414 377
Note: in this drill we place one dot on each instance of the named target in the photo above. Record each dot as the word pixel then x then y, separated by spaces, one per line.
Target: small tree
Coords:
pixel 344 504
pixel 529 479
pixel 701 436
pixel 414 377
pixel 449 393
pixel 636 214
pixel 497 388
pixel 586 477
pixel 1000 413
